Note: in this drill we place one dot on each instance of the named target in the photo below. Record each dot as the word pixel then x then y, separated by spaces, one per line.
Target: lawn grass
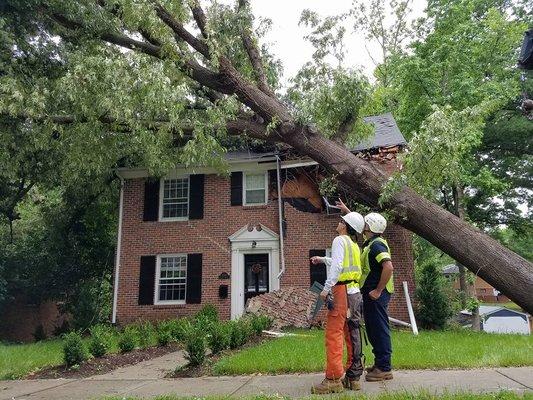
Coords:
pixel 428 350
pixel 350 396
pixel 17 360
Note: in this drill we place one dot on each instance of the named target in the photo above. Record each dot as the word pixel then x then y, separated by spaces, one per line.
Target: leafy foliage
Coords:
pixel 74 350
pixel 128 339
pixel 434 305
pixel 100 341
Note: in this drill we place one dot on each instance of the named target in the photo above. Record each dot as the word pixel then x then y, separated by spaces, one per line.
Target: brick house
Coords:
pixel 194 237
pixel 484 291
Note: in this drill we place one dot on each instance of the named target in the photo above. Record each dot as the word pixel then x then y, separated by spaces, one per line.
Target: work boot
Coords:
pixel 368 369
pixel 377 375
pixel 328 386
pixel 351 384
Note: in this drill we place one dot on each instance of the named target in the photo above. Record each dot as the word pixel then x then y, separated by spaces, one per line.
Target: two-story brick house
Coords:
pixel 195 237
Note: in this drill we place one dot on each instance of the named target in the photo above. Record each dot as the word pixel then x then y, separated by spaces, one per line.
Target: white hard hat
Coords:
pixel 355 220
pixel 376 222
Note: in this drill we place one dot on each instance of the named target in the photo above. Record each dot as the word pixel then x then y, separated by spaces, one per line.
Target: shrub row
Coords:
pixel 197 334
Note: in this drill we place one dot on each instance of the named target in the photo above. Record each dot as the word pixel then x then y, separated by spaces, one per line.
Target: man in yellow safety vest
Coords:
pixel 343 320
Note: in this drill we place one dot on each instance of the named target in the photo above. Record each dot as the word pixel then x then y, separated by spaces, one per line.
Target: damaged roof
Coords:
pixel 387 133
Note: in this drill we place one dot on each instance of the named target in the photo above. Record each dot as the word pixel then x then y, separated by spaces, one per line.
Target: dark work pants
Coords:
pixel 377 328
pixel 352 333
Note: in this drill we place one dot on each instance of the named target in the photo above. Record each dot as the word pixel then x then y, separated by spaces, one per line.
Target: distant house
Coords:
pixel 496 319
pixel 484 291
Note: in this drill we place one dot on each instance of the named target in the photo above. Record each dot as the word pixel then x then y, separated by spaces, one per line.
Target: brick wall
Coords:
pixel 209 236
pixel 20 320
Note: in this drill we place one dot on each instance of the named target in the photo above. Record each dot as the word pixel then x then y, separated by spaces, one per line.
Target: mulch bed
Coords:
pixel 102 365
pixel 206 368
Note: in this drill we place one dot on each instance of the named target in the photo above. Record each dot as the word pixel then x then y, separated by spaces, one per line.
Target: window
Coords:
pixel 255 188
pixel 175 198
pixel 171 278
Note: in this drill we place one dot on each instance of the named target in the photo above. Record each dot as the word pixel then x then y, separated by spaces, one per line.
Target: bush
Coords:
pixel 164 332
pixel 434 307
pixel 39 333
pixel 146 334
pixel 195 345
pixel 240 332
pixel 219 337
pixel 100 340
pixel 74 351
pixel 128 339
pixel 179 327
pixel 259 323
pixel 208 312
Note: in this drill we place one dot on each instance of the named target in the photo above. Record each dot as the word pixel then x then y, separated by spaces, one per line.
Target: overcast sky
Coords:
pixel 287 37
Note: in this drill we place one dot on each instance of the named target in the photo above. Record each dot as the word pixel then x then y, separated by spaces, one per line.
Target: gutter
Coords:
pixel 117 259
pixel 280 213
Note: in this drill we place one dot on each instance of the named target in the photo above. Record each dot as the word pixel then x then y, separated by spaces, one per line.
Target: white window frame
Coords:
pixel 158 277
pixel 245 173
pixel 162 191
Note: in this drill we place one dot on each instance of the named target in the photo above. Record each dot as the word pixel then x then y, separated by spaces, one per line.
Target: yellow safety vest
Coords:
pixel 381 256
pixel 351 264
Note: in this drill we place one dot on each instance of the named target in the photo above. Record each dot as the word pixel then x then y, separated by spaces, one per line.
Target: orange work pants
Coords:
pixel 335 333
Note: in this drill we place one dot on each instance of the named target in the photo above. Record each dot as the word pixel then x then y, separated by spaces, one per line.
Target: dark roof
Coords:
pixel 386 134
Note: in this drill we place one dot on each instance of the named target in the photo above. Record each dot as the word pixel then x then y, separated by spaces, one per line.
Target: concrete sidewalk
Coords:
pixel 518 380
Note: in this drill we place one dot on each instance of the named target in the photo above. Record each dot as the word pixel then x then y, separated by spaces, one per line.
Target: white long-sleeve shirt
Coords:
pixel 334 265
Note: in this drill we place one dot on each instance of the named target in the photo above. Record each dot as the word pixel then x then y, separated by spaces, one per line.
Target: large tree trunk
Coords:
pixel 484 256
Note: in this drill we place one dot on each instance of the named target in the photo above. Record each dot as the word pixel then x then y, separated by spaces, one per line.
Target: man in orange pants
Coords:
pixel 343 274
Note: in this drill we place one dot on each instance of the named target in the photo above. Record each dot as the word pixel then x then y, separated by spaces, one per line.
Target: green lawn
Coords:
pixel 350 396
pixel 17 360
pixel 449 349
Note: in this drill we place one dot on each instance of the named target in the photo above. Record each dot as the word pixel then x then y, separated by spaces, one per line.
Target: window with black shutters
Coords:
pixel 175 199
pixel 171 279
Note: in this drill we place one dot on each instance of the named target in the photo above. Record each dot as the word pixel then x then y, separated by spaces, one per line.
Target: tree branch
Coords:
pixel 243 125
pixel 199 17
pixel 255 57
pixel 197 44
pixel 344 129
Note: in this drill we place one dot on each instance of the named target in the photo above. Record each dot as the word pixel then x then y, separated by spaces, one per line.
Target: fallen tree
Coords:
pixel 209 67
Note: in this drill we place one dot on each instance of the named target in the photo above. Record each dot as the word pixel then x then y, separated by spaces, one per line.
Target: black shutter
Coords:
pixel 147 280
pixel 236 188
pixel 151 200
pixel 196 196
pixel 317 271
pixel 194 278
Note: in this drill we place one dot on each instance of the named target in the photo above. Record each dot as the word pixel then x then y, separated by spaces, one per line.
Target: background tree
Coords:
pixel 434 307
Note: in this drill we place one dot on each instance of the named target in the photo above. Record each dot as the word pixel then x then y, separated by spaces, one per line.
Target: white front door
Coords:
pixel 254 265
